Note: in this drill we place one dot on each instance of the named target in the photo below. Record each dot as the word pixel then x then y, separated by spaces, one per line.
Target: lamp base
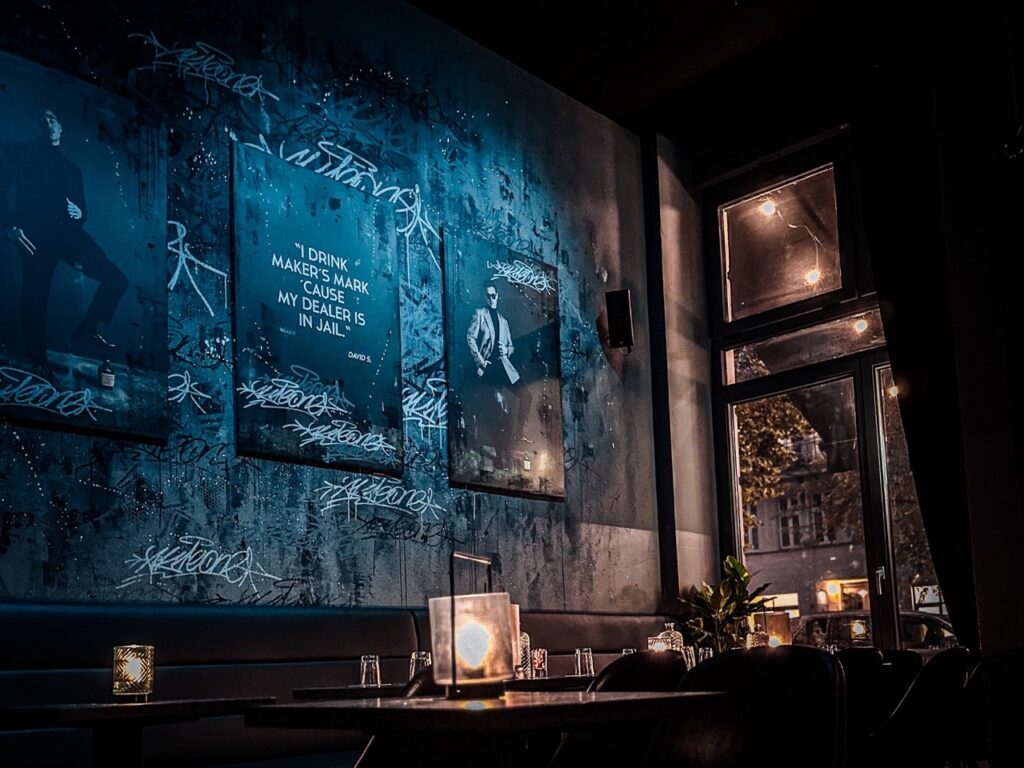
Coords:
pixel 475 691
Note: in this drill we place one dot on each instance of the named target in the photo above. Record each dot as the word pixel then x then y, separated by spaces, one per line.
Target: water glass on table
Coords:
pixel 584 662
pixel 690 656
pixel 417 661
pixel 703 654
pixel 369 670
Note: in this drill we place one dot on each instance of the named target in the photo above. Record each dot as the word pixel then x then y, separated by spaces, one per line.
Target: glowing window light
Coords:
pixel 813 276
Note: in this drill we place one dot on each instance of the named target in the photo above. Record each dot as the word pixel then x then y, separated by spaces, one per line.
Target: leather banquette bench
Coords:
pixel 61 653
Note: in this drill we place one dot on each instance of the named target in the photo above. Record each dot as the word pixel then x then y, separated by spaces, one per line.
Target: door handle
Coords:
pixel 879 579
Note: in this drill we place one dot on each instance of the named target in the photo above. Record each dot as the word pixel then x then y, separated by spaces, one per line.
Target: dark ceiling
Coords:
pixel 726 80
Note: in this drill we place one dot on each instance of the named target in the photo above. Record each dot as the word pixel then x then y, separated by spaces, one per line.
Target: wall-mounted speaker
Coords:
pixel 619 310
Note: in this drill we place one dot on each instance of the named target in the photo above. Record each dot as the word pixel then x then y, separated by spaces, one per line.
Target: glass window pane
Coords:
pixel 816 344
pixel 799 488
pixel 922 610
pixel 781 245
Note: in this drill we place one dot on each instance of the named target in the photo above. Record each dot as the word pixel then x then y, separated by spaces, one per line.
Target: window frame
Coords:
pixel 856 296
pixel 856 281
pixel 860 368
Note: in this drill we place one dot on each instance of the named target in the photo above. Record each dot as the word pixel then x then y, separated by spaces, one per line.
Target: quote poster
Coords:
pixel 83 254
pixel 318 355
pixel 504 368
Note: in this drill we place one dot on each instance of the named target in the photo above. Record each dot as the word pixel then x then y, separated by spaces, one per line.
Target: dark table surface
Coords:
pixel 555 683
pixel 516 711
pixel 383 691
pixel 117 726
pixel 127 713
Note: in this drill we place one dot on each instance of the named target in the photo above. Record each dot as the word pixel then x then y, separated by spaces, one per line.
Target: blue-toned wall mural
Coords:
pixel 433 134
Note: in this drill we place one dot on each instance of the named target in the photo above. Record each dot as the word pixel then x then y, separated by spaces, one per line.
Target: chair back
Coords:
pixel 865 684
pixel 642 671
pixel 770 691
pixel 422 684
pixel 621 743
pixel 922 730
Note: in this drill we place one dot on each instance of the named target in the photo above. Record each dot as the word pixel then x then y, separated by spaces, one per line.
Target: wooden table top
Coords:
pixel 114 712
pixel 514 711
pixel 382 691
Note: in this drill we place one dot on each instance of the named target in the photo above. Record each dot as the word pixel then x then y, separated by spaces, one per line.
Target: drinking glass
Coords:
pixel 369 670
pixel 539 659
pixel 690 656
pixel 627 651
pixel 703 654
pixel 417 661
pixel 584 662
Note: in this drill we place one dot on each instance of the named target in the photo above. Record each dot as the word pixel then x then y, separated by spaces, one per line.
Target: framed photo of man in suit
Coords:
pixel 504 369
pixel 83 256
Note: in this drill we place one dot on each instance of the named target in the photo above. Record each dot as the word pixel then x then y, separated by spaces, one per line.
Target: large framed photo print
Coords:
pixel 504 369
pixel 318 356
pixel 83 256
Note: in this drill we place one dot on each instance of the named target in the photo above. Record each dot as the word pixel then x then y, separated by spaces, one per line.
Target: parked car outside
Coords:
pixel 927 633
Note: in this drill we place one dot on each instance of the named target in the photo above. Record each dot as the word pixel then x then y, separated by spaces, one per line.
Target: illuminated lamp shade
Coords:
pixel 483 649
pixel 133 670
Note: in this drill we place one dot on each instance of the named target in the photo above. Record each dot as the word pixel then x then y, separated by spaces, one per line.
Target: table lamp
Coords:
pixel 133 670
pixel 471 638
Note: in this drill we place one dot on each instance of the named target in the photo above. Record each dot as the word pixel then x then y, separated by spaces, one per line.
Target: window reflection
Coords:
pixel 781 245
pixel 799 484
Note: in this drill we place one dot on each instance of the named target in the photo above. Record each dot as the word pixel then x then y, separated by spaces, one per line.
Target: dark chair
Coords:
pixel 643 671
pixel 904 667
pixel 921 732
pixel 422 684
pixel 621 743
pixel 972 739
pixel 862 668
pixel 381 753
pixel 772 694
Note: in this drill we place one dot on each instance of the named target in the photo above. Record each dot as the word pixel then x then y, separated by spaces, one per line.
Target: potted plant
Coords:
pixel 720 610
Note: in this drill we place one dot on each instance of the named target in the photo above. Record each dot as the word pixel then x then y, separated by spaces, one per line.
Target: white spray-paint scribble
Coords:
pixel 353 493
pixel 427 408
pixel 30 390
pixel 340 434
pixel 207 63
pixel 343 165
pixel 195 556
pixel 305 393
pixel 521 273
pixel 186 262
pixel 180 386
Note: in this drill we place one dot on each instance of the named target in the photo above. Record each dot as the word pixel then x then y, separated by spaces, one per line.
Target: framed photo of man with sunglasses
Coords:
pixel 504 366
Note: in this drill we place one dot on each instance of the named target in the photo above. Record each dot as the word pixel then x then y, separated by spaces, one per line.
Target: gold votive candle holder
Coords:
pixel 133 670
